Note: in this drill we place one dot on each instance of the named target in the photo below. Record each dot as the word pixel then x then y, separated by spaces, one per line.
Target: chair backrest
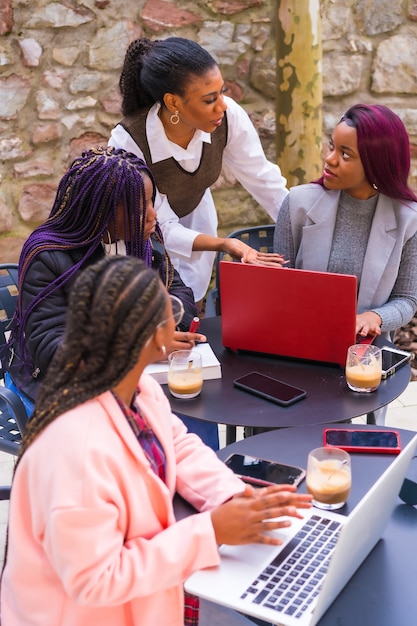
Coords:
pixel 8 299
pixel 13 416
pixel 13 421
pixel 259 237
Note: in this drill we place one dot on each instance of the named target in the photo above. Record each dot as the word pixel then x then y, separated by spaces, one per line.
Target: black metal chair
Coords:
pixel 259 237
pixel 13 419
pixel 13 416
pixel 8 301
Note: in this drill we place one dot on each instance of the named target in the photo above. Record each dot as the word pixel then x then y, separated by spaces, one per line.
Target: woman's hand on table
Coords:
pixel 247 517
pixel 240 250
pixel 184 340
pixel 368 323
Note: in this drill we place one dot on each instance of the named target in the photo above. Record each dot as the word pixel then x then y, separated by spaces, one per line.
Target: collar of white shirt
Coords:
pixel 161 148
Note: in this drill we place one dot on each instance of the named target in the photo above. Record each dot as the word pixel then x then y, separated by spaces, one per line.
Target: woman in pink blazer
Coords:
pixel 92 534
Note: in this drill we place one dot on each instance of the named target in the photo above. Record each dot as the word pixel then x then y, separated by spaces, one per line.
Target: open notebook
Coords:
pixel 295 583
pixel 288 312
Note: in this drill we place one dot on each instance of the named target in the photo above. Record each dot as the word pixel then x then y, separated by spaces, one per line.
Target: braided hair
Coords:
pixel 114 307
pixel 153 68
pixel 86 203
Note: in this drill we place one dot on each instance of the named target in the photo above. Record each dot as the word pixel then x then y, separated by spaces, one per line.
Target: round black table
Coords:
pixel 382 591
pixel 328 397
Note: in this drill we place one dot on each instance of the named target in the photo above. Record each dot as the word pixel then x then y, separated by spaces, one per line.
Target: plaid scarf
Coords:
pixel 156 457
pixel 145 435
pixel 191 609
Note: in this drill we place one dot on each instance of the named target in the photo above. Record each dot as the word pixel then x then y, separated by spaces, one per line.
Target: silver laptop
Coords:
pixel 295 583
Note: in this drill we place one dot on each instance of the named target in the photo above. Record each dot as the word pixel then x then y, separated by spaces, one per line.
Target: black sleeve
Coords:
pixel 178 289
pixel 45 325
pixel 185 294
pixel 34 345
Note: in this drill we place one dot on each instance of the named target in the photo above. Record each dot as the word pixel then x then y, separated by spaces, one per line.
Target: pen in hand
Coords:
pixel 195 325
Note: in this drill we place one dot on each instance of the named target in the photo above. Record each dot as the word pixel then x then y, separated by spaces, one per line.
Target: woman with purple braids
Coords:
pixel 103 205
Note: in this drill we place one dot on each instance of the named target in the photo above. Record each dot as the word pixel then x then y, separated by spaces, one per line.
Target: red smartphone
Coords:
pixel 368 440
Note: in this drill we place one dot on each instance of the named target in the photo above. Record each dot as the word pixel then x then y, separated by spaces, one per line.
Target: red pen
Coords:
pixel 195 325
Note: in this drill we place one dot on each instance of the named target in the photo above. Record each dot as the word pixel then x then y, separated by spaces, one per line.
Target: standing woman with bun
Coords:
pixel 179 120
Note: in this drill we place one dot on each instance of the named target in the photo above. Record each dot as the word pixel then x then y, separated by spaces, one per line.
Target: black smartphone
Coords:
pixel 269 388
pixel 261 472
pixel 369 440
pixel 392 359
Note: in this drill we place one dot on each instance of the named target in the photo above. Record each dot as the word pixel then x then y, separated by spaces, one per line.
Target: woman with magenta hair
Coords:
pixel 103 205
pixel 360 218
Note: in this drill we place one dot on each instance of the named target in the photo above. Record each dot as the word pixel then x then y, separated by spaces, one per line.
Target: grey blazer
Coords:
pixel 313 214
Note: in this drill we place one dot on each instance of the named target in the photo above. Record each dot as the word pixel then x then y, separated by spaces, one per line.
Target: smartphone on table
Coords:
pixel 261 472
pixel 367 440
pixel 269 388
pixel 393 358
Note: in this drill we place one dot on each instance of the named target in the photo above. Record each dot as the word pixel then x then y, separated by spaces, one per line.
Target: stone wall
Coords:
pixel 60 65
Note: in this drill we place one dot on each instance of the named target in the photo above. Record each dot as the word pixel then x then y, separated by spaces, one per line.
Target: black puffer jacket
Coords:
pixel 45 325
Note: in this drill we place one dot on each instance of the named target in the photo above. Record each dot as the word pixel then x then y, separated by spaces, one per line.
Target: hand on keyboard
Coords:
pixel 246 517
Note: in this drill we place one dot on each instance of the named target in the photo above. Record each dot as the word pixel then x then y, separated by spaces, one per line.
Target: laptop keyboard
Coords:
pixel 292 581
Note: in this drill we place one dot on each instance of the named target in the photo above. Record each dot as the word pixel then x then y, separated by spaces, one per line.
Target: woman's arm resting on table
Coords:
pixel 185 340
pixel 402 302
pixel 368 323
pixel 238 250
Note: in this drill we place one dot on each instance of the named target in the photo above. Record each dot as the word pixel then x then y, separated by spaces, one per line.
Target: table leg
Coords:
pixel 230 434
pixel 370 418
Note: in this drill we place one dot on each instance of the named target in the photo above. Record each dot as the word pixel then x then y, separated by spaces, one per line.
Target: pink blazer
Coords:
pixel 92 533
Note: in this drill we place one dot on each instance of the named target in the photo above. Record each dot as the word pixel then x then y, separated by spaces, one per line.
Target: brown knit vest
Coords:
pixel 183 189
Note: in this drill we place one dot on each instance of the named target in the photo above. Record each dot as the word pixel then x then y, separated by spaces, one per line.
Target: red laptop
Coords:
pixel 288 312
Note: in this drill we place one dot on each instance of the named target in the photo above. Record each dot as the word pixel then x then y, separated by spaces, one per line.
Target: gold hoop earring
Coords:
pixel 175 118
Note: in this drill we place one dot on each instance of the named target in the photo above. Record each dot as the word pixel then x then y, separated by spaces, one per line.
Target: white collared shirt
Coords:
pixel 243 156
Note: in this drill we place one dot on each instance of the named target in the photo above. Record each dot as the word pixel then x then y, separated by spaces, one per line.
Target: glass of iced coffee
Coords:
pixel 328 477
pixel 185 374
pixel 363 368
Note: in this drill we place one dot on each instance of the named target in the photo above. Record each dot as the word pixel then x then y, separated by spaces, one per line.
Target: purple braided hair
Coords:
pixel 86 203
